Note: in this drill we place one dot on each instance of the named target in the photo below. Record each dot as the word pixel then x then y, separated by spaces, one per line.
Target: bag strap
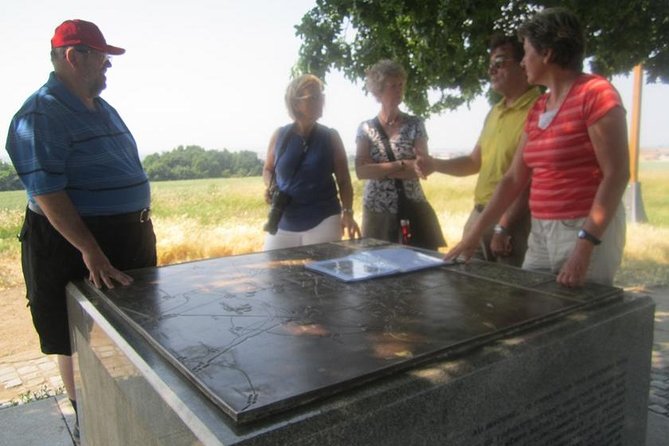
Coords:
pixel 282 150
pixel 399 184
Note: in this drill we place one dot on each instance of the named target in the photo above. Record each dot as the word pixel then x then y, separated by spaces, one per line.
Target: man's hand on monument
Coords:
pixel 101 271
pixel 464 250
pixel 500 245
pixel 63 216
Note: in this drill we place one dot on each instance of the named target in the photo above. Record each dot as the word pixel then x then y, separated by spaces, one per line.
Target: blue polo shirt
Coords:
pixel 57 144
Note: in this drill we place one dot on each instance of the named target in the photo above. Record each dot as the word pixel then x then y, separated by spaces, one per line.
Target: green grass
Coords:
pixel 654 179
pixel 210 201
pixel 12 208
pixel 204 218
pixel 13 200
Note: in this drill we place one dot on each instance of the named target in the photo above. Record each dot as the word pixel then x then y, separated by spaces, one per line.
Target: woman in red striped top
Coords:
pixel 574 152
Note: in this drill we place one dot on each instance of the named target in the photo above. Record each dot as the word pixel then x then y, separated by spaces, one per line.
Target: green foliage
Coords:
pixel 193 162
pixel 443 43
pixel 8 178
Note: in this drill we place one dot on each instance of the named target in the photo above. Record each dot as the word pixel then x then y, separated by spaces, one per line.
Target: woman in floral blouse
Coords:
pixel 408 139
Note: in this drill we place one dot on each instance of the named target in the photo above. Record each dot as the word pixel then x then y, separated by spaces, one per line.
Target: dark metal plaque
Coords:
pixel 259 334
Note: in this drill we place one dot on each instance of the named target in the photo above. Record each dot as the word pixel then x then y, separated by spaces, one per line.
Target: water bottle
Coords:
pixel 406 232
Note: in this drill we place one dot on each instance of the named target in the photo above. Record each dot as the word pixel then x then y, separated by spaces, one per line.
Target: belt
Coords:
pixel 479 207
pixel 141 216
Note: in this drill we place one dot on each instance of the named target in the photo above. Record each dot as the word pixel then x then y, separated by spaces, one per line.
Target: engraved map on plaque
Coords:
pixel 259 333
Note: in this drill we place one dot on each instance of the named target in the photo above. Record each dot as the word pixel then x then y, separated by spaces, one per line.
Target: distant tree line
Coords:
pixel 9 180
pixel 192 162
pixel 181 163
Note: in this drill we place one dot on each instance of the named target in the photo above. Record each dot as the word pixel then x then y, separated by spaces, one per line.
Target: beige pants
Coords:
pixel 551 243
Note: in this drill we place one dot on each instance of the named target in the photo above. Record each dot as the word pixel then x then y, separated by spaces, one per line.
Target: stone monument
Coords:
pixel 257 349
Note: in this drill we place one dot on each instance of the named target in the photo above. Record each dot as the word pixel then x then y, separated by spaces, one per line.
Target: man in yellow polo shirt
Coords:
pixel 507 241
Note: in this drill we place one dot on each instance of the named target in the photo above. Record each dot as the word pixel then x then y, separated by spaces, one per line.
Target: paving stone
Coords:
pixel 664 385
pixel 56 381
pixel 27 369
pixel 13 383
pixel 47 366
pixel 657 399
pixel 658 409
pixel 35 382
pixel 31 376
pixel 655 375
pixel 36 423
pixel 24 357
pixel 9 376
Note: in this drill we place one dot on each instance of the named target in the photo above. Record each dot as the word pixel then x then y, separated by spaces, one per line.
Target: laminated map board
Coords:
pixel 366 265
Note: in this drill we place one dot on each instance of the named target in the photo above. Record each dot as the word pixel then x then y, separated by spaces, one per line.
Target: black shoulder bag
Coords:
pixel 425 229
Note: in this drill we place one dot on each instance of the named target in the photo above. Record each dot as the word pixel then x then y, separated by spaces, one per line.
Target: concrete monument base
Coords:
pixel 580 379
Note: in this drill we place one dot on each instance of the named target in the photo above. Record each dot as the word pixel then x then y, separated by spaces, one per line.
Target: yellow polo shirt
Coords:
pixel 499 141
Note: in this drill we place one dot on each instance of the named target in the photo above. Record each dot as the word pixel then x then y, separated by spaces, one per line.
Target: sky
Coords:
pixel 213 73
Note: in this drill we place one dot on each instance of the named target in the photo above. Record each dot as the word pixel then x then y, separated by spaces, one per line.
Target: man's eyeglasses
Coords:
pixel 87 50
pixel 498 62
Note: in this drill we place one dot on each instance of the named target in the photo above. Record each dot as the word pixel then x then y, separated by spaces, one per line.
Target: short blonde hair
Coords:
pixel 295 87
pixel 377 75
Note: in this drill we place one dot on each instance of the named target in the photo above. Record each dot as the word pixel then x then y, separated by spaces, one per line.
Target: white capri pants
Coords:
pixel 329 230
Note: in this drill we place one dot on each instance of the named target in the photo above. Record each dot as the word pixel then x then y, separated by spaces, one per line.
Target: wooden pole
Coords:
pixel 633 199
pixel 636 124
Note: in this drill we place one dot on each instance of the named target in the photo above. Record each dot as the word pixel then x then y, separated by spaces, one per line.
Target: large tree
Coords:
pixel 443 43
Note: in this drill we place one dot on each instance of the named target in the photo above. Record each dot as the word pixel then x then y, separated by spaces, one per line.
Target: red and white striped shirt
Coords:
pixel 565 172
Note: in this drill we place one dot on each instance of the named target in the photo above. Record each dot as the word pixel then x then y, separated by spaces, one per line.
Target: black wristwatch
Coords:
pixel 585 235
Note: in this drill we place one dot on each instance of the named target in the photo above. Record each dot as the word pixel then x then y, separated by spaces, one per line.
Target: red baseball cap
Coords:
pixel 81 32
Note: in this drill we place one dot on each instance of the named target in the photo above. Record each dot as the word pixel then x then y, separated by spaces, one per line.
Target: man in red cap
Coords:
pixel 88 195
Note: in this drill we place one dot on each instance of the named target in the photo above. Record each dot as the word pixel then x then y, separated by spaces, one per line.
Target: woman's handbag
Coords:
pixel 423 222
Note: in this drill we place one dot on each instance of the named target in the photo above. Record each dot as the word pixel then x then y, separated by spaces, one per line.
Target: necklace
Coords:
pixel 392 122
pixel 557 100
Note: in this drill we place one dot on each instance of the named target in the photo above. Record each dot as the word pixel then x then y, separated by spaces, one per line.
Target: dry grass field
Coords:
pixel 219 217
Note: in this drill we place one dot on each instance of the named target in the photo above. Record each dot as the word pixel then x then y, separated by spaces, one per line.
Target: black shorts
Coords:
pixel 49 262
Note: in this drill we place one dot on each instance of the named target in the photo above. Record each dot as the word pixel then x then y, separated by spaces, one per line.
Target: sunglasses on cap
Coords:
pixel 87 50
